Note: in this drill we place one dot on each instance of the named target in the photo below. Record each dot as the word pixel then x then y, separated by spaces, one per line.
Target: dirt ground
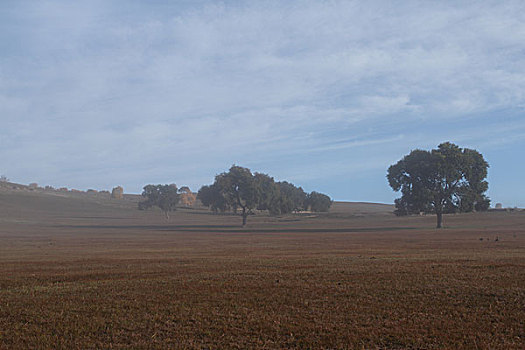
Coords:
pixel 80 272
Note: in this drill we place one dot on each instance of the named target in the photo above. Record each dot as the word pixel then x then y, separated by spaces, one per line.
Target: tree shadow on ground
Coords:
pixel 236 228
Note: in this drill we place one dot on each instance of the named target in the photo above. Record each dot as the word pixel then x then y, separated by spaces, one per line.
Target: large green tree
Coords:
pixel 239 188
pixel 165 197
pixel 444 180
pixel 233 190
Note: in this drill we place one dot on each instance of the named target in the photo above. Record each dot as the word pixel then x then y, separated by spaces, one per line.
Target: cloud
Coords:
pixel 188 89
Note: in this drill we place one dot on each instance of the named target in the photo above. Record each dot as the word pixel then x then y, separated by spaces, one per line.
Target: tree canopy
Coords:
pixel 448 179
pixel 239 189
pixel 318 202
pixel 292 198
pixel 165 197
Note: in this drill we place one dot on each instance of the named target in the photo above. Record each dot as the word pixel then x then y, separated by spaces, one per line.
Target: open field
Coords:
pixel 84 272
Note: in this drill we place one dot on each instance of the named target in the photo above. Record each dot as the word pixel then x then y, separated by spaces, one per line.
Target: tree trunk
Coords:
pixel 439 219
pixel 244 217
pixel 167 215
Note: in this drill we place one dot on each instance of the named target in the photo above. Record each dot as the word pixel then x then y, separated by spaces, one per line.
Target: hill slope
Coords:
pixel 20 202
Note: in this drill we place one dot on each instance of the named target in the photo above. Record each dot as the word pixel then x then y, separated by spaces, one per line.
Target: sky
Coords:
pixel 324 94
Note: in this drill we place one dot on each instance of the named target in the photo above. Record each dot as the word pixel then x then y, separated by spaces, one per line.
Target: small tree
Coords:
pixel 318 202
pixel 444 180
pixel 184 189
pixel 293 198
pixel 211 196
pixel 165 197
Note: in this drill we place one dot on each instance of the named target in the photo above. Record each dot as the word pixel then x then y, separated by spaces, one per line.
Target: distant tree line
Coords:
pixel 240 190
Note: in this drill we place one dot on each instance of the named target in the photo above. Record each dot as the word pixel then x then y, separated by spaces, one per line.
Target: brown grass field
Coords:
pixel 81 272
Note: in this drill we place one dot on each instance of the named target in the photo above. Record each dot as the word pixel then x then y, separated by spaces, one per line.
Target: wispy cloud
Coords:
pixel 158 90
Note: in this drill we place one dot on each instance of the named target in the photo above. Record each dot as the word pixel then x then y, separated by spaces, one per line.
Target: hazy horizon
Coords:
pixel 325 95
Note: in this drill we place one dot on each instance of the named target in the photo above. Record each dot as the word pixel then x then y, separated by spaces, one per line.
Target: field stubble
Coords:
pixel 79 274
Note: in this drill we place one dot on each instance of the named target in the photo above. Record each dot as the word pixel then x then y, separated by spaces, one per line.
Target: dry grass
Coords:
pixel 75 273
